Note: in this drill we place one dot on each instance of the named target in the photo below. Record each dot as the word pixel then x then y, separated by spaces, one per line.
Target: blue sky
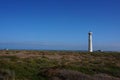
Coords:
pixel 59 24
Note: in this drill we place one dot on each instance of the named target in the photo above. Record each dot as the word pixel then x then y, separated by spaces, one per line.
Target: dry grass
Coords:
pixel 61 65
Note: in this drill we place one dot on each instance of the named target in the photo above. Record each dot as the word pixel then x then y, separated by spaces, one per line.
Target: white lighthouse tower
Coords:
pixel 90 47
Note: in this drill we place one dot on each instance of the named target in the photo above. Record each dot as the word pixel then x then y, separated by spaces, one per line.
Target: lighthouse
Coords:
pixel 90 46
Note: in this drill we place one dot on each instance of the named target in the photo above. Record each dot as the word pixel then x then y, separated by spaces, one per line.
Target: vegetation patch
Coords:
pixel 43 67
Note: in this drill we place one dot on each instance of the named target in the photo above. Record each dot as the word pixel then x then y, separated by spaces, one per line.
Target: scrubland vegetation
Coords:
pixel 59 65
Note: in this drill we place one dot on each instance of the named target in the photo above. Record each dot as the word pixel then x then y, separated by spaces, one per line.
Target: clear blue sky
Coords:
pixel 59 24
